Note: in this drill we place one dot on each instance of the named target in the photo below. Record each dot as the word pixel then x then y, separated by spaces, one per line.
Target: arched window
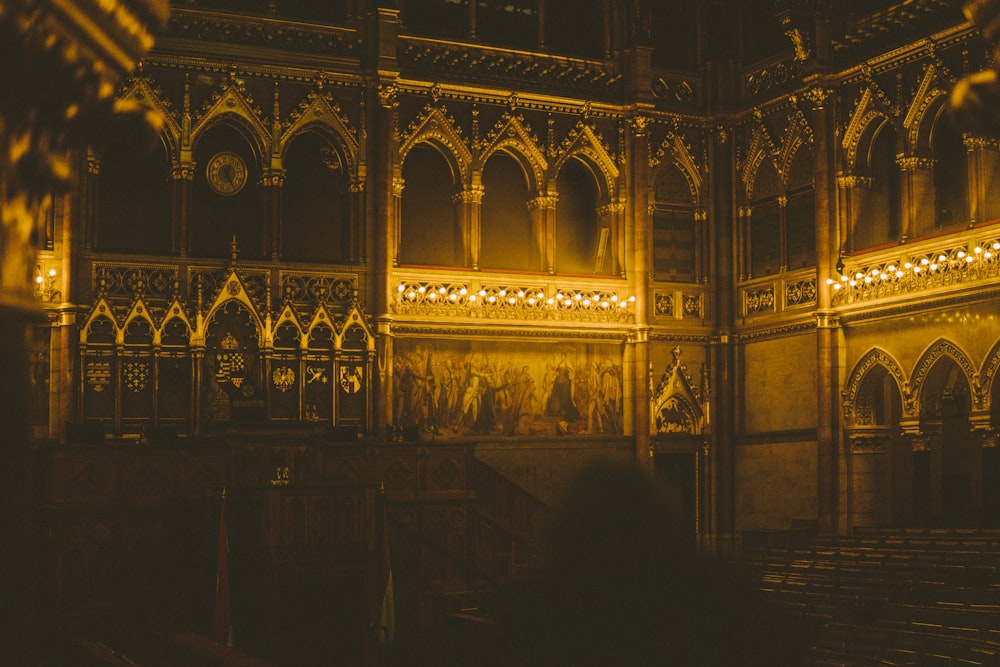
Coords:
pixel 581 243
pixel 505 227
pixel 800 212
pixel 674 245
pixel 765 222
pixel 427 234
pixel 134 201
pixel 951 190
pixel 315 204
pixel 881 223
pixel 226 196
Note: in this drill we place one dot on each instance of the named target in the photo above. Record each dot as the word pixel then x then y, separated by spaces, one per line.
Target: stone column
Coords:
pixel 386 197
pixel 180 236
pixel 468 207
pixel 611 217
pixel 983 163
pixel 723 350
pixel 783 233
pixel 828 333
pixel 854 193
pixel 273 182
pixel 543 223
pixel 916 182
pixel 638 251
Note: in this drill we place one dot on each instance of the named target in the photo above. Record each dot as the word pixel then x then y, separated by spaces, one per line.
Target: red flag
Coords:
pixel 386 628
pixel 222 622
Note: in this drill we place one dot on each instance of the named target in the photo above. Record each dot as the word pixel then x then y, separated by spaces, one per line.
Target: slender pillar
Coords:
pixel 387 197
pixel 273 183
pixel 543 223
pixel 916 180
pixel 183 179
pixel 854 193
pixel 830 480
pixel 722 354
pixel 638 253
pixel 468 207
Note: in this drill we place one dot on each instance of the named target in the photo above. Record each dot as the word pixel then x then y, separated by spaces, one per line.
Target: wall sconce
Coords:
pixel 45 286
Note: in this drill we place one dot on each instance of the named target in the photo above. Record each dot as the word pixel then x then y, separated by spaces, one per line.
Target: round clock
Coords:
pixel 226 173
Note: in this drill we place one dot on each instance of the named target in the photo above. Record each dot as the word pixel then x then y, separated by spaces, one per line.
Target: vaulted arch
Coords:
pixel 513 136
pixel 434 126
pixel 853 405
pixel 941 348
pixel 584 144
pixel 231 104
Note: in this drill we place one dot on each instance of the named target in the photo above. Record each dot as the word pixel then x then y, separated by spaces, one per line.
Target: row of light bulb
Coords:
pixel 513 297
pixel 925 264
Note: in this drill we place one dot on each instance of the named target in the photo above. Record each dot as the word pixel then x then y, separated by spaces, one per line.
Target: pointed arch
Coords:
pixel 320 113
pixel 512 135
pixel 796 145
pixel 232 104
pixel 676 407
pixel 941 348
pixel 921 116
pixel 988 376
pixel 585 144
pixel 434 126
pixel 674 150
pixel 852 395
pixel 867 120
pixel 141 90
pixel 234 289
pixel 759 149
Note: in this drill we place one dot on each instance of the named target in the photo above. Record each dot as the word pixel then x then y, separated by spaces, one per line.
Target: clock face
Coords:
pixel 226 173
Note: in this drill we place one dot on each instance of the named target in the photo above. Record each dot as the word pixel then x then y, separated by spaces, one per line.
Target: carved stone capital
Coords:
pixel 847 181
pixel 915 163
pixel 544 201
pixel 471 195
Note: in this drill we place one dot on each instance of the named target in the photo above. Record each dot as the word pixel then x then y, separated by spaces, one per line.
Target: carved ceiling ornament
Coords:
pixel 851 394
pixel 436 126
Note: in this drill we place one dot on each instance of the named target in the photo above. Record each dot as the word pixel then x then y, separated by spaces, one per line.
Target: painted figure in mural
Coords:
pixel 561 401
pixel 522 399
pixel 471 396
pixel 611 393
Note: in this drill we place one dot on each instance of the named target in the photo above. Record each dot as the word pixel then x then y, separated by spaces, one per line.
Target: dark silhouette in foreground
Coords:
pixel 621 587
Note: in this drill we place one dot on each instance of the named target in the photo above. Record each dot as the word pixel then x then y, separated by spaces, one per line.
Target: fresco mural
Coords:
pixel 472 388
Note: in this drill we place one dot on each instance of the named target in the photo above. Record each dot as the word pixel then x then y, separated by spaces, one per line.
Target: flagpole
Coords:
pixel 222 622
pixel 385 628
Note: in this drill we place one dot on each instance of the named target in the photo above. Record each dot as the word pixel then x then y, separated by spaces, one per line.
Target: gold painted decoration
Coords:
pixel 98 375
pixel 283 378
pixel 350 379
pixel 231 364
pixel 136 376
pixel 316 374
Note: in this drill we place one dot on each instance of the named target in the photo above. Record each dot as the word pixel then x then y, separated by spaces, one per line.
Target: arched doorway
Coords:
pixel 949 468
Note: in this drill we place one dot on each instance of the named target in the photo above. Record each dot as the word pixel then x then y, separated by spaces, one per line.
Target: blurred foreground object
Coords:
pixel 975 99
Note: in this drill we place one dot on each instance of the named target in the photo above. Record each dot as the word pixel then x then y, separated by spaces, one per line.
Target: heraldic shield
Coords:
pixel 232 353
